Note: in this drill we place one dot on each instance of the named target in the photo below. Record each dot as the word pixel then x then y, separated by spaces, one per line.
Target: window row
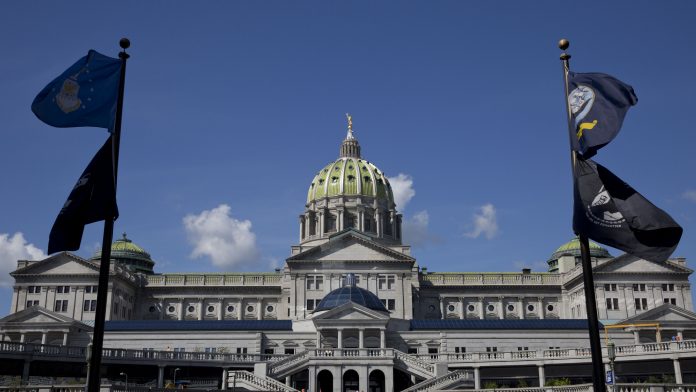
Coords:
pixel 638 287
pixel 212 308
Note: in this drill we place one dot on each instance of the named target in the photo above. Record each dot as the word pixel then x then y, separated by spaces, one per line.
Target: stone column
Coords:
pixel 25 370
pixel 361 338
pixel 21 337
pixel 259 314
pixel 362 373
pixel 337 375
pixel 161 309
pixel 223 384
pixel 220 306
pixel 302 227
pixel 388 379
pixel 43 337
pixel 540 307
pixel 318 339
pixel 160 376
pixel 677 372
pixel 383 340
pixel 636 336
pixel 65 338
pixel 380 229
pixel 680 335
pixel 501 308
pixel 181 308
pixel 200 309
pixel 339 219
pixel 321 224
pixel 442 307
pixel 461 308
pixel 482 311
pixel 520 307
pixel 542 377
pixel 340 338
pixel 477 378
pixel 288 380
pixel 240 309
pixel 312 379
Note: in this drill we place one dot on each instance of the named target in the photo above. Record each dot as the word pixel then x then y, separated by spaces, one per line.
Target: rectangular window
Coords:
pixel 612 304
pixel 241 350
pixel 413 350
pixel 668 287
pixel 90 289
pixel 63 289
pixel 520 348
pixel 310 304
pixel 289 351
pixel 61 305
pixel 672 301
pixel 34 289
pixel 391 304
pixel 491 349
pixel 610 287
pixel 268 351
pixel 179 350
pixel 386 282
pixel 555 348
pixel 315 282
pixel 32 303
pixel 90 305
pixel 343 279
pixel 639 287
pixel 641 303
pixel 459 350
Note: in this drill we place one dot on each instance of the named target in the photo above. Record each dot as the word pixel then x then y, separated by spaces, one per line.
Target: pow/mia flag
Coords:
pixel 92 199
pixel 598 104
pixel 609 211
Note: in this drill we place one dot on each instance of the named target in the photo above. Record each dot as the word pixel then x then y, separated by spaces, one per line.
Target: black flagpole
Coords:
pixel 94 368
pixel 588 280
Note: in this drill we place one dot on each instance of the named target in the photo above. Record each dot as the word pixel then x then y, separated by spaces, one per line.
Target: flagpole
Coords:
pixel 94 368
pixel 588 279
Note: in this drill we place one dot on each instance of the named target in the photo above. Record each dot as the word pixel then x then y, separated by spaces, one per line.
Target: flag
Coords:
pixel 92 199
pixel 84 95
pixel 609 211
pixel 598 104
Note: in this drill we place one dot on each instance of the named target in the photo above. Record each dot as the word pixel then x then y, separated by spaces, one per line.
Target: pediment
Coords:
pixel 665 314
pixel 631 264
pixel 36 315
pixel 351 312
pixel 59 264
pixel 351 246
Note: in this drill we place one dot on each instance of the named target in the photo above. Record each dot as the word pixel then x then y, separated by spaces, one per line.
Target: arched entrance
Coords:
pixel 376 381
pixel 351 381
pixel 325 381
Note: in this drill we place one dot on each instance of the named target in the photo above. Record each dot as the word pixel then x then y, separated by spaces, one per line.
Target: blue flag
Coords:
pixel 598 104
pixel 610 211
pixel 92 199
pixel 85 95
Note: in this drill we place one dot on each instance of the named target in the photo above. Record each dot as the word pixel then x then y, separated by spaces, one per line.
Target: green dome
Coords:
pixel 350 176
pixel 572 248
pixel 126 252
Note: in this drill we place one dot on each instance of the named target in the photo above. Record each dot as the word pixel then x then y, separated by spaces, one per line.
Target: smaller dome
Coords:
pixel 572 248
pixel 125 251
pixel 351 293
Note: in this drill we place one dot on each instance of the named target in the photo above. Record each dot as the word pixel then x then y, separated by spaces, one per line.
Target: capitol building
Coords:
pixel 350 310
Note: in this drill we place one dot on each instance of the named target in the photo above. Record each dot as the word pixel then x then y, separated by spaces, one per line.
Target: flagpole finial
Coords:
pixel 563 44
pixel 124 43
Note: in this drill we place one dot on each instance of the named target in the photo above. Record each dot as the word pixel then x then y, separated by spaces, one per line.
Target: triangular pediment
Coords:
pixel 37 315
pixel 59 264
pixel 351 312
pixel 351 246
pixel 631 264
pixel 665 314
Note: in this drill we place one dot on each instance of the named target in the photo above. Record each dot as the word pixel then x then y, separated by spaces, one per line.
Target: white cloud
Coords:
pixel 218 235
pixel 485 222
pixel 415 229
pixel 402 186
pixel 690 195
pixel 12 249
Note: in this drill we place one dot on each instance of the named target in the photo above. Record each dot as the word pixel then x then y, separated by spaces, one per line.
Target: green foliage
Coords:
pixel 490 385
pixel 557 382
pixel 522 383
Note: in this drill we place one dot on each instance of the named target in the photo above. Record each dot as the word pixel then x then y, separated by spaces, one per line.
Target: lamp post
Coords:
pixel 611 353
pixel 126 375
pixel 175 370
pixel 88 358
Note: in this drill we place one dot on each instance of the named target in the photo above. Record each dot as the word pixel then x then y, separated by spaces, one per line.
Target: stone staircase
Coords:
pixel 449 380
pixel 413 365
pixel 288 365
pixel 251 382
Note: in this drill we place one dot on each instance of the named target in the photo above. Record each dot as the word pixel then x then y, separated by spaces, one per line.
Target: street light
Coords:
pixel 611 353
pixel 175 370
pixel 125 374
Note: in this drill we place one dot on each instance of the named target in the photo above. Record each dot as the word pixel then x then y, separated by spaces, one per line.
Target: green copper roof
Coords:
pixel 348 176
pixel 572 248
pixel 127 252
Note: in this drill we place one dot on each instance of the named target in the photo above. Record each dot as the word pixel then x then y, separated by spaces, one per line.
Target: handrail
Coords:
pixel 263 383
pixel 438 382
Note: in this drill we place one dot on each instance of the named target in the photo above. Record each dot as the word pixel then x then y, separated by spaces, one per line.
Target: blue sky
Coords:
pixel 232 107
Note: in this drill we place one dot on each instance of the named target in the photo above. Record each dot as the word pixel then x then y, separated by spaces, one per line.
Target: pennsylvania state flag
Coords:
pixel 598 104
pixel 609 211
pixel 92 199
pixel 85 95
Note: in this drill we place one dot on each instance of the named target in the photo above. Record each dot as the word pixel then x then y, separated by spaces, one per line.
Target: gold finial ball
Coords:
pixel 124 42
pixel 563 44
